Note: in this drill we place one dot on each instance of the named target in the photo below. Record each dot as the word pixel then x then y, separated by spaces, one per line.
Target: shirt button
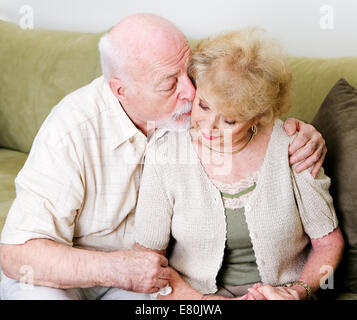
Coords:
pixel 253 235
pixel 248 208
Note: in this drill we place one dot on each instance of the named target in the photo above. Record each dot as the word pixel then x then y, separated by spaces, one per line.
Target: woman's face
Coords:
pixel 213 127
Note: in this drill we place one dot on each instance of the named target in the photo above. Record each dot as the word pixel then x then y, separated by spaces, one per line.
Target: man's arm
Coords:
pixel 308 145
pixel 60 266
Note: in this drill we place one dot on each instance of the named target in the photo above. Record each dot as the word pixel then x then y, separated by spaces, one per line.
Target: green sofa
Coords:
pixel 39 67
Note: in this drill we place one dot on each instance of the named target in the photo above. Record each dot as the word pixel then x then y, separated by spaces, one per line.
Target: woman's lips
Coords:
pixel 208 137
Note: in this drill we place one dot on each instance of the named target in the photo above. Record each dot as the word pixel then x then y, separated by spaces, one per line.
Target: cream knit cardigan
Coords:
pixel 177 199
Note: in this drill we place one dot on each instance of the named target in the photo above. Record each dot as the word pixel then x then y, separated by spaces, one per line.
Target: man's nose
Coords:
pixel 187 90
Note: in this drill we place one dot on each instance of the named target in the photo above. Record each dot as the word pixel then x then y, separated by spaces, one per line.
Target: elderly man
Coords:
pixel 68 234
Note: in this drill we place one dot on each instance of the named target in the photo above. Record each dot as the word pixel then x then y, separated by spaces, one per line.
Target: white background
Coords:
pixel 296 23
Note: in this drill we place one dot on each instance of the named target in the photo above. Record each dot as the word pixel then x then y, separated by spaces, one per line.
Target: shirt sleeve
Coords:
pixel 154 209
pixel 49 193
pixel 314 202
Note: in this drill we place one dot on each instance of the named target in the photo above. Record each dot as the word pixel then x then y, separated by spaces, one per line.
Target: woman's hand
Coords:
pixel 180 289
pixel 308 145
pixel 253 294
pixel 268 292
pixel 295 292
pixel 217 297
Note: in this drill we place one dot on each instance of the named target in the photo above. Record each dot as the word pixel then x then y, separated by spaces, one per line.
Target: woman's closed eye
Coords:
pixel 231 123
pixel 204 108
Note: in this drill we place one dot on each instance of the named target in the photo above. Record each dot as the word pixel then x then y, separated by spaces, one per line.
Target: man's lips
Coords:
pixel 187 114
pixel 208 137
pixel 183 116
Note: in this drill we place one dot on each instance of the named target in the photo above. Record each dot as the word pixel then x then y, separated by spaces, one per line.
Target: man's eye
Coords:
pixel 203 107
pixel 171 87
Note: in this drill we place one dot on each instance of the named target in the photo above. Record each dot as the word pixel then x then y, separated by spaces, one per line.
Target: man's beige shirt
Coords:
pixel 80 183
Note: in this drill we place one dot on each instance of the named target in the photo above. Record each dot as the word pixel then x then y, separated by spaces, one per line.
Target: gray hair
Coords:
pixel 111 59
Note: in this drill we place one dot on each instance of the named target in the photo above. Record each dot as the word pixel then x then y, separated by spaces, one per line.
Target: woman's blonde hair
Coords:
pixel 247 73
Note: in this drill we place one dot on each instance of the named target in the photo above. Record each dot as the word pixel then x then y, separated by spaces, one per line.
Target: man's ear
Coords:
pixel 117 86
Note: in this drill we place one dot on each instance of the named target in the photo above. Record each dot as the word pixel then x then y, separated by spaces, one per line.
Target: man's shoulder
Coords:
pixel 73 111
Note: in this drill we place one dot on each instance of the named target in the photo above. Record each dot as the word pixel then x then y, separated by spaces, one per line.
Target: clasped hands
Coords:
pixel 259 291
pixel 268 292
pixel 162 275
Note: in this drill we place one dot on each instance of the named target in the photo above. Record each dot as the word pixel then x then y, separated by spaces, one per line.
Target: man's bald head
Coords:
pixel 144 60
pixel 136 41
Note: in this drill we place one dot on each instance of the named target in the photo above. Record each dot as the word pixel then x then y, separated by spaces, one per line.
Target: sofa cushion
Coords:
pixel 337 121
pixel 312 80
pixel 346 296
pixel 10 164
pixel 38 68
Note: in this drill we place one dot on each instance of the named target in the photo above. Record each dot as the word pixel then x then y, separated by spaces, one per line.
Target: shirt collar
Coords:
pixel 121 127
pixel 158 134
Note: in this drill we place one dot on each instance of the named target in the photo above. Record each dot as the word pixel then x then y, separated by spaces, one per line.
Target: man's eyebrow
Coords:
pixel 165 77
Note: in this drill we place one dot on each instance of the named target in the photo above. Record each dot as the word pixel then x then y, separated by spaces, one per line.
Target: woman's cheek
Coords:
pixel 229 136
pixel 195 116
pixel 193 119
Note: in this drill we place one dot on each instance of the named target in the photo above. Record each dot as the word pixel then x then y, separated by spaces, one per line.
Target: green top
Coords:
pixel 239 264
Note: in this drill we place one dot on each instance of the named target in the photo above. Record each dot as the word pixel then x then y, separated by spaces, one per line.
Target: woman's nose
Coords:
pixel 211 123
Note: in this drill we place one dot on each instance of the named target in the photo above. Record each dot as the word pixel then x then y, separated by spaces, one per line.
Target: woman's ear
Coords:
pixel 117 86
pixel 256 120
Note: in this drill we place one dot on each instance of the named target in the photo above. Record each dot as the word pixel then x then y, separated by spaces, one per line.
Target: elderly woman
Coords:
pixel 242 222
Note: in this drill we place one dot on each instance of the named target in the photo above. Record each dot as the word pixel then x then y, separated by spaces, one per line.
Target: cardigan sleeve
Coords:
pixel 314 202
pixel 154 209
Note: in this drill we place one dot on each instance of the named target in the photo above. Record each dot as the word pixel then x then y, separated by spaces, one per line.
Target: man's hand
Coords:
pixel 308 145
pixel 137 271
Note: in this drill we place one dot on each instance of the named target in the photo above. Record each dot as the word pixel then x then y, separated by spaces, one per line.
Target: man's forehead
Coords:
pixel 166 70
